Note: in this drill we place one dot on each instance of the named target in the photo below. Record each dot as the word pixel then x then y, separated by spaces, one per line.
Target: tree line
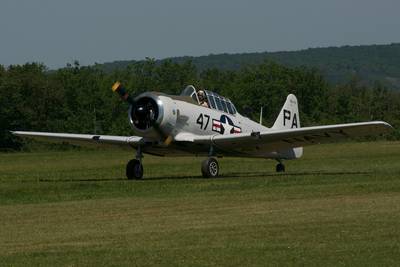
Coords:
pixel 78 99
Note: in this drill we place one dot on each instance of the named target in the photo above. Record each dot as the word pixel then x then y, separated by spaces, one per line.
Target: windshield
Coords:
pixel 188 91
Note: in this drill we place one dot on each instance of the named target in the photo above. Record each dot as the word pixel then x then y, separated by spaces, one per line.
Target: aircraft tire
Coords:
pixel 210 168
pixel 134 169
pixel 280 167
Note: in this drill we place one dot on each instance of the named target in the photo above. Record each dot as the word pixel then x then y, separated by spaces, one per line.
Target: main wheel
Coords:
pixel 134 169
pixel 210 168
pixel 280 167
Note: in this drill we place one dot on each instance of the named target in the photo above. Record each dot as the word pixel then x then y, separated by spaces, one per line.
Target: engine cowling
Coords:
pixel 153 115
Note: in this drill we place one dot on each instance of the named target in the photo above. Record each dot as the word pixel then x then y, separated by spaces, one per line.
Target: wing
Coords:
pixel 276 140
pixel 79 139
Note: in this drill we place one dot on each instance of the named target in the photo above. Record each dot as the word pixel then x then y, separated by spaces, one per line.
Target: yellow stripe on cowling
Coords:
pixel 168 140
pixel 115 86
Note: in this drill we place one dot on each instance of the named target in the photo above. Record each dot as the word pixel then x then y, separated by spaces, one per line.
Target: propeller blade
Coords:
pixel 117 87
pixel 168 140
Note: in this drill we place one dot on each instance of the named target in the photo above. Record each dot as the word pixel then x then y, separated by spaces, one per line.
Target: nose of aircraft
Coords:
pixel 144 110
pixel 144 113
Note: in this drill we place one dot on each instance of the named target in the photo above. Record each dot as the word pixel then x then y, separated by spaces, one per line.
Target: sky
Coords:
pixel 57 32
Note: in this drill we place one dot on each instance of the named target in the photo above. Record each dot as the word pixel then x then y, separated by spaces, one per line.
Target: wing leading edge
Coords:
pixel 82 138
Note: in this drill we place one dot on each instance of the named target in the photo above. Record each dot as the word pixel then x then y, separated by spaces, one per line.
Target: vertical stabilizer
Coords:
pixel 289 117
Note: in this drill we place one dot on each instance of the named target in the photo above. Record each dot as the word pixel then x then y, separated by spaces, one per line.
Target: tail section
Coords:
pixel 288 119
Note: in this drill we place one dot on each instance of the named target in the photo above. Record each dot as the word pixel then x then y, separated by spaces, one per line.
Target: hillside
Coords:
pixel 369 63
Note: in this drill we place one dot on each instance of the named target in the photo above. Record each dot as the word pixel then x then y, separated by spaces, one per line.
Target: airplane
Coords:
pixel 206 124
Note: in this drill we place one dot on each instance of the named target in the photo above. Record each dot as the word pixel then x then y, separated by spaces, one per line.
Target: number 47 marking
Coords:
pixel 200 121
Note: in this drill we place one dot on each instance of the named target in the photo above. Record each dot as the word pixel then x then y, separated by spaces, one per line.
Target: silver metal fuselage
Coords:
pixel 179 115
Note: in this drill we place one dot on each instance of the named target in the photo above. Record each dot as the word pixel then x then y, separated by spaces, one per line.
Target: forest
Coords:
pixel 78 99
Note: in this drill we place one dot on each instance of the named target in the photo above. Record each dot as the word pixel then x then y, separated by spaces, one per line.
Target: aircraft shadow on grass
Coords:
pixel 260 175
pixel 222 176
pixel 72 180
pixel 316 173
pixel 81 180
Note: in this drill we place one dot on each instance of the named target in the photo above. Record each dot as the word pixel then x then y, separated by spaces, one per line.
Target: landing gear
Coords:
pixel 134 168
pixel 210 168
pixel 280 167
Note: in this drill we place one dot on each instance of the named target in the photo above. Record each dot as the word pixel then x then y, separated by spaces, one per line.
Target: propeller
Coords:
pixel 144 112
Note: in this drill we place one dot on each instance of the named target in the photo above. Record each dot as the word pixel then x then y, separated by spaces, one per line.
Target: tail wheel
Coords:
pixel 134 169
pixel 210 168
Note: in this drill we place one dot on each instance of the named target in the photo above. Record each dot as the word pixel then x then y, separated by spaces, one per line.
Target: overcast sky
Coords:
pixel 56 32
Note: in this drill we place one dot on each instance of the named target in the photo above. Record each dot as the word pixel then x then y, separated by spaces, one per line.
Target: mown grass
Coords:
pixel 339 205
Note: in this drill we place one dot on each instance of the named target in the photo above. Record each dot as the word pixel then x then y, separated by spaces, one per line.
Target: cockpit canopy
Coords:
pixel 213 100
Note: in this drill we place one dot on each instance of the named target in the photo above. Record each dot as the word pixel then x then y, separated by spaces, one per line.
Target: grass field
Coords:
pixel 338 205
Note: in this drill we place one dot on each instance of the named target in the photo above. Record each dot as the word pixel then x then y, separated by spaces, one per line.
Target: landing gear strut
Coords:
pixel 280 167
pixel 134 168
pixel 210 168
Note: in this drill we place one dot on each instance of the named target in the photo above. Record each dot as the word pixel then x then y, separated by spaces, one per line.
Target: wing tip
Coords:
pixel 384 124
